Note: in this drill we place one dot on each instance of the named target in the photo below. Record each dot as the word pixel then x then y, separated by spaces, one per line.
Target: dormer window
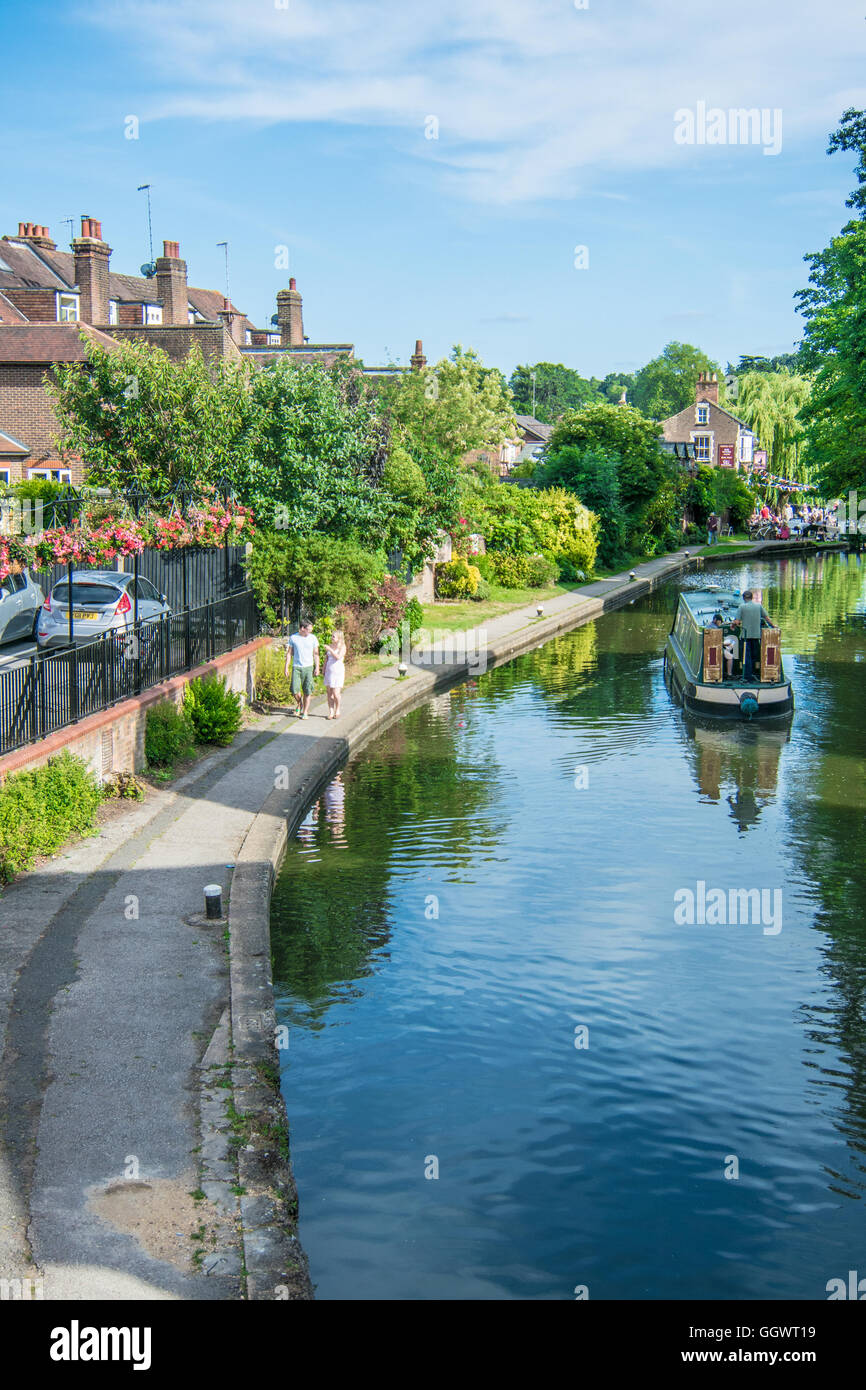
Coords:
pixel 703 417
pixel 67 308
pixel 153 313
pixel 112 311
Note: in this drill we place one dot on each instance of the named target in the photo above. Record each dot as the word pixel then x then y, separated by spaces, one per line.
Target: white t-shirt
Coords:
pixel 304 648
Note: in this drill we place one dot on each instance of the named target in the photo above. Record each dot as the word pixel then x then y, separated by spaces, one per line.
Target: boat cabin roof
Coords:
pixel 704 604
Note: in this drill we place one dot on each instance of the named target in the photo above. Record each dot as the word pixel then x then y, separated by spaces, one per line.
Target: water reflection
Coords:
pixel 738 762
pixel 457 902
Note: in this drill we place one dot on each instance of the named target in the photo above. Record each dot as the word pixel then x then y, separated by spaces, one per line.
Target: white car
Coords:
pixel 21 600
pixel 102 601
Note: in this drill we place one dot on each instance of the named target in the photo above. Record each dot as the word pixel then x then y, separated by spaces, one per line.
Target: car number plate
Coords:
pixel 78 614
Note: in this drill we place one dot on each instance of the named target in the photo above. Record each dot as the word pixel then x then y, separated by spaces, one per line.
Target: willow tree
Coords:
pixel 771 404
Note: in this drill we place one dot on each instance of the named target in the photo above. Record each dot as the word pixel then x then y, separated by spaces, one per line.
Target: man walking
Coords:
pixel 302 655
pixel 750 616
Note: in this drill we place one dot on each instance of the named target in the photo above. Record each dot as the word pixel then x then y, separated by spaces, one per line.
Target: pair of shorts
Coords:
pixel 302 680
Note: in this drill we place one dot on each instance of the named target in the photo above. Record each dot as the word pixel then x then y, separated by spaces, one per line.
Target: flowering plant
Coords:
pixel 207 525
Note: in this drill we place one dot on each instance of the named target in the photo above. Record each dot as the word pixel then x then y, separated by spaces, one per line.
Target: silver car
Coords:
pixel 20 602
pixel 102 601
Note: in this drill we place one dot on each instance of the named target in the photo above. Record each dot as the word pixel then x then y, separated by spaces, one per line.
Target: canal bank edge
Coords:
pixel 275 1265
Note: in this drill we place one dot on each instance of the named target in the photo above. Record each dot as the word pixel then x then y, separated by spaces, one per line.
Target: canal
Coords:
pixel 514 1070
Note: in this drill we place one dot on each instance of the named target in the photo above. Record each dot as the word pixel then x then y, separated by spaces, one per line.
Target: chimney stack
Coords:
pixel 35 235
pixel 418 361
pixel 171 284
pixel 707 388
pixel 91 271
pixel 290 316
pixel 233 320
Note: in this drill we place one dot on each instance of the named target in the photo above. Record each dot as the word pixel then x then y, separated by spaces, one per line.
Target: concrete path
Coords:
pixel 118 1175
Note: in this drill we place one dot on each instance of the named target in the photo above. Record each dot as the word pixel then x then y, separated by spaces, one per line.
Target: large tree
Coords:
pixel 137 415
pixel 771 402
pixel 834 345
pixel 319 450
pixel 451 408
pixel 666 385
pixel 612 454
pixel 556 389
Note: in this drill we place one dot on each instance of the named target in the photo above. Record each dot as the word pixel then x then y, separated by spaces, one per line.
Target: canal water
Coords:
pixel 514 1070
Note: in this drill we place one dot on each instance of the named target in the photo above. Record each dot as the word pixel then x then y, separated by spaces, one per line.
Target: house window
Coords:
pixel 53 475
pixel 153 313
pixel 67 308
pixel 5 476
pixel 703 414
pixel 702 448
pixel 275 338
pixel 112 311
pixel 747 447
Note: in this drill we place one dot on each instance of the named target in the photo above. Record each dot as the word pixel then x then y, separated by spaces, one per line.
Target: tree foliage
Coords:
pixel 317 455
pixel 771 404
pixel 834 344
pixel 451 408
pixel 556 389
pixel 666 385
pixel 136 415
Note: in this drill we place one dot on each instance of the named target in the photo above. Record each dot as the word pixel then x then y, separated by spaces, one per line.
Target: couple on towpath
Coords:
pixel 302 658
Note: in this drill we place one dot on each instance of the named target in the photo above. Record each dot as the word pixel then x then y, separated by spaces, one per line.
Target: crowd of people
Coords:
pixel 791 521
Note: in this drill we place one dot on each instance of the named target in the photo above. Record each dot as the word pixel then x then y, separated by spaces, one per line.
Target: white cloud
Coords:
pixel 533 100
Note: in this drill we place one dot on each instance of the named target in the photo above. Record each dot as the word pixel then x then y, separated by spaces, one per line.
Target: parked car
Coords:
pixel 102 601
pixel 21 601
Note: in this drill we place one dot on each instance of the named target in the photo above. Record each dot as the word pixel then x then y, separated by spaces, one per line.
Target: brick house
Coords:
pixel 47 295
pixel 720 440
pixel 28 423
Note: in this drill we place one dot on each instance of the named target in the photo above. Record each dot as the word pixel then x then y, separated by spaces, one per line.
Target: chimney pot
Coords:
pixel 293 284
pixel 21 226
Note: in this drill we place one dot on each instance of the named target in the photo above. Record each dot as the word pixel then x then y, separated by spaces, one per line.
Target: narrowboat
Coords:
pixel 705 678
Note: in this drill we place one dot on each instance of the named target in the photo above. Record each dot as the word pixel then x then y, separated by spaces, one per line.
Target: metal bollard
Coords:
pixel 213 900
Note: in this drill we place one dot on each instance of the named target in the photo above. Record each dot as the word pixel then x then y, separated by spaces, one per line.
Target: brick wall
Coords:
pixel 38 305
pixel 113 741
pixel 177 341
pixel 128 314
pixel 27 413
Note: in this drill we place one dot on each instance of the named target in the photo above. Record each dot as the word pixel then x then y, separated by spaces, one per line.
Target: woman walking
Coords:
pixel 335 672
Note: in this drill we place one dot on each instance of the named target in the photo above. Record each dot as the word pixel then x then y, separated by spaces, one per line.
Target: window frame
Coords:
pixel 702 413
pixel 47 474
pixel 73 300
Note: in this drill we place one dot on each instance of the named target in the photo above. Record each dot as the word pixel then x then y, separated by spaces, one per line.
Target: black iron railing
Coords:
pixel 56 688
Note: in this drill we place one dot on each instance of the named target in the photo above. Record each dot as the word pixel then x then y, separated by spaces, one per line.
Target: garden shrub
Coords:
pixel 482 593
pixel 214 710
pixel 391 597
pixel 511 571
pixel 273 686
pixel 41 808
pixel 361 624
pixel 569 572
pixel 457 579
pixel 414 615
pixel 325 570
pixel 485 567
pixel 542 572
pixel 168 734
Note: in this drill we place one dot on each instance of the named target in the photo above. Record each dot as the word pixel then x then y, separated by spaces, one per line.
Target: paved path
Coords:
pixel 112 987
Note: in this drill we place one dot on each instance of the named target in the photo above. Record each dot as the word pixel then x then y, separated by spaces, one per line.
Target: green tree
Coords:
pixel 666 385
pixel 592 473
pixel 556 389
pixel 834 344
pixel 318 454
pixel 136 415
pixel 451 408
pixel 771 404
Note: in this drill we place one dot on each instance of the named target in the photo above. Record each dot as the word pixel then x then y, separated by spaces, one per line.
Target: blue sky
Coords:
pixel 305 123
